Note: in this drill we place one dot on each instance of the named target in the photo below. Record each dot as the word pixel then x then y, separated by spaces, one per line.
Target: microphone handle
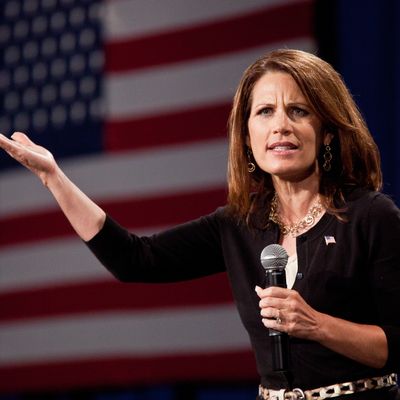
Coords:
pixel 279 340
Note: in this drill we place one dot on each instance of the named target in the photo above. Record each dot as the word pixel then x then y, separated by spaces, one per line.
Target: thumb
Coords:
pixel 22 138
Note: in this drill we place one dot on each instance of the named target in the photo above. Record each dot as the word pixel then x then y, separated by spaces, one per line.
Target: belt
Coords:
pixel 328 392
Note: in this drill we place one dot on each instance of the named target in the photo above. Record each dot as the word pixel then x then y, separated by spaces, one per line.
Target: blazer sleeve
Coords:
pixel 187 251
pixel 384 239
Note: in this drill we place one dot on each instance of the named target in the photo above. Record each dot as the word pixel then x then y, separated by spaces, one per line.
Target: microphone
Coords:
pixel 274 259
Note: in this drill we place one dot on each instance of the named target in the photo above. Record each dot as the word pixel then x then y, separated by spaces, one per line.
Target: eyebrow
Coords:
pixel 292 103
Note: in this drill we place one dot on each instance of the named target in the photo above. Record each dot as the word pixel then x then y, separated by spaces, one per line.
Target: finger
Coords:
pixel 258 291
pixel 20 137
pixel 262 293
pixel 8 144
pixel 4 138
pixel 270 312
pixel 274 302
pixel 276 291
pixel 273 291
pixel 274 324
pixel 16 149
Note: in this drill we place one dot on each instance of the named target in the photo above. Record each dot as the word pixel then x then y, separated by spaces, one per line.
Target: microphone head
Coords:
pixel 274 256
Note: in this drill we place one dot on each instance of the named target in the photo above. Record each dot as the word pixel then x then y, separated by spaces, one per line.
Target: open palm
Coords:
pixel 36 158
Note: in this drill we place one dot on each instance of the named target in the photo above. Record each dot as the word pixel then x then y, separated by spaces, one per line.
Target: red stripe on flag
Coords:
pixel 206 366
pixel 187 126
pixel 112 296
pixel 261 27
pixel 134 212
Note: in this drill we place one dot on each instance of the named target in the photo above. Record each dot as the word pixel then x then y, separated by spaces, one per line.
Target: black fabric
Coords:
pixel 357 278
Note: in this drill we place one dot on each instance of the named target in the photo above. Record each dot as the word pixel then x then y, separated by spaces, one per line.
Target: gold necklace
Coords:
pixel 294 229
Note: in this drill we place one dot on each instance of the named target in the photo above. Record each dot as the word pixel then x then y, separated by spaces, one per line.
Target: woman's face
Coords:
pixel 283 130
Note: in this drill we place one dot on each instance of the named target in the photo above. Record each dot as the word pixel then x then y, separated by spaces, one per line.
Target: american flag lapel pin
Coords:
pixel 329 240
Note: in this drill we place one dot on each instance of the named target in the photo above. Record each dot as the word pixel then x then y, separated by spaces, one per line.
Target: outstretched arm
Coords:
pixel 86 217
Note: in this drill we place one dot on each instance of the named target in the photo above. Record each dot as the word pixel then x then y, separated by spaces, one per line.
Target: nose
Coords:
pixel 281 122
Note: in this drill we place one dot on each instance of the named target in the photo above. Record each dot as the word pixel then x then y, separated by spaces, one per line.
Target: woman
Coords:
pixel 303 172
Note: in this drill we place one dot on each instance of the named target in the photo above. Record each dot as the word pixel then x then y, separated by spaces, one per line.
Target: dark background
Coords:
pixel 361 39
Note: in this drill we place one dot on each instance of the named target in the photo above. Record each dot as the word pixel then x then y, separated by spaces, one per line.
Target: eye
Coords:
pixel 265 111
pixel 299 112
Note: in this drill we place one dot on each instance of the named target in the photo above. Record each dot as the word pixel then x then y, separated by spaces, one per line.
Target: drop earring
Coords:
pixel 327 159
pixel 251 167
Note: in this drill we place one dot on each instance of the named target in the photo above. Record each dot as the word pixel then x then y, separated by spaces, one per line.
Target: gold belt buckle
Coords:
pixel 277 394
pixel 299 394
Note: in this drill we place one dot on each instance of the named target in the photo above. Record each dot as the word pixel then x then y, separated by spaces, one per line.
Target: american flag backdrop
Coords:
pixel 132 97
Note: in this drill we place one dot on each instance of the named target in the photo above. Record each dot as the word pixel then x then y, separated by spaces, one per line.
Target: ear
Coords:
pixel 328 138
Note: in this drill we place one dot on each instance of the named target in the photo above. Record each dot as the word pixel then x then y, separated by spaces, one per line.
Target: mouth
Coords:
pixel 282 146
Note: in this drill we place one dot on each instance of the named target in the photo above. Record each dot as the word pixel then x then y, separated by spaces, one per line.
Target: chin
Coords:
pixel 294 174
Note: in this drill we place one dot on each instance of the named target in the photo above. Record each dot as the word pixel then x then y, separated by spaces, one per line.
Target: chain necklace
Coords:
pixel 294 229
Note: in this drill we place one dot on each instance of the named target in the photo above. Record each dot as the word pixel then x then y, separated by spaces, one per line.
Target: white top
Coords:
pixel 291 270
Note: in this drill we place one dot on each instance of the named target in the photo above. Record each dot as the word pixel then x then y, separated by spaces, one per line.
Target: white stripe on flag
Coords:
pixel 125 334
pixel 125 18
pixel 183 85
pixel 139 173
pixel 51 262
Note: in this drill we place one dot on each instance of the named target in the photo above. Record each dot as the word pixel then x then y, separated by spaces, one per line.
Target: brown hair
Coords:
pixel 356 159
